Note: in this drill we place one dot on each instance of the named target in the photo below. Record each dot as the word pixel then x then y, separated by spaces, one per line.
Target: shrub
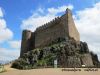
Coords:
pixel 20 64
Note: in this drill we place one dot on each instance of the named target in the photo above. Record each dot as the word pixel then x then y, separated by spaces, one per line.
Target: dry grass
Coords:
pixel 8 68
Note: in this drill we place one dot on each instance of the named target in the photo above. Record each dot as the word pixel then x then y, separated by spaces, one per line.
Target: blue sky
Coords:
pixel 16 15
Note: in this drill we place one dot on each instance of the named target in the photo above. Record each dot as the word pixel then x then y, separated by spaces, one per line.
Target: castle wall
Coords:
pixel 46 36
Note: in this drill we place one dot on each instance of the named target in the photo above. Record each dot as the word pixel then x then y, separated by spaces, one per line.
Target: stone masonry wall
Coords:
pixel 87 59
pixel 60 27
pixel 46 36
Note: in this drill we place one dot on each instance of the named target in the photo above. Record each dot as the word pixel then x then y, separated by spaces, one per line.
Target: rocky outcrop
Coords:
pixel 68 53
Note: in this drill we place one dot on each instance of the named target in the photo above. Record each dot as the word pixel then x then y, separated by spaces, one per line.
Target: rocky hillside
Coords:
pixel 68 53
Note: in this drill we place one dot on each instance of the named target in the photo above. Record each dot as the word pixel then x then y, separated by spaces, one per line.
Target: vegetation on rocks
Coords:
pixel 68 53
pixel 38 58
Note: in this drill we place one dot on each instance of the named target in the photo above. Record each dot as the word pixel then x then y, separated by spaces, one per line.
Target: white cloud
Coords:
pixel 15 44
pixel 88 24
pixel 8 54
pixel 5 33
pixel 1 13
pixel 37 19
pixel 59 9
pixel 33 22
pixel 11 53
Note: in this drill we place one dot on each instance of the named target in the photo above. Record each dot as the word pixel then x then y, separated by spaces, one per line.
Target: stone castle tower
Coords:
pixel 60 27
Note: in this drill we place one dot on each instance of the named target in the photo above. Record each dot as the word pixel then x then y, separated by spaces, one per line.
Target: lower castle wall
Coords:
pixel 87 60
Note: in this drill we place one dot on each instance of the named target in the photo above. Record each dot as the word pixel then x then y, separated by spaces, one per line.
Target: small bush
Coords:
pixel 20 64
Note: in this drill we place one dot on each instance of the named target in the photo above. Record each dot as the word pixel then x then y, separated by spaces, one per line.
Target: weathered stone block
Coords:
pixel 87 60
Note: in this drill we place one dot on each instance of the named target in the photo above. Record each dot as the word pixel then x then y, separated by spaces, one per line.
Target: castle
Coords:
pixel 74 53
pixel 63 27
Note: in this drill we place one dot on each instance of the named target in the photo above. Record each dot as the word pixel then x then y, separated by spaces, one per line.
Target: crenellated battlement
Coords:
pixel 49 24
